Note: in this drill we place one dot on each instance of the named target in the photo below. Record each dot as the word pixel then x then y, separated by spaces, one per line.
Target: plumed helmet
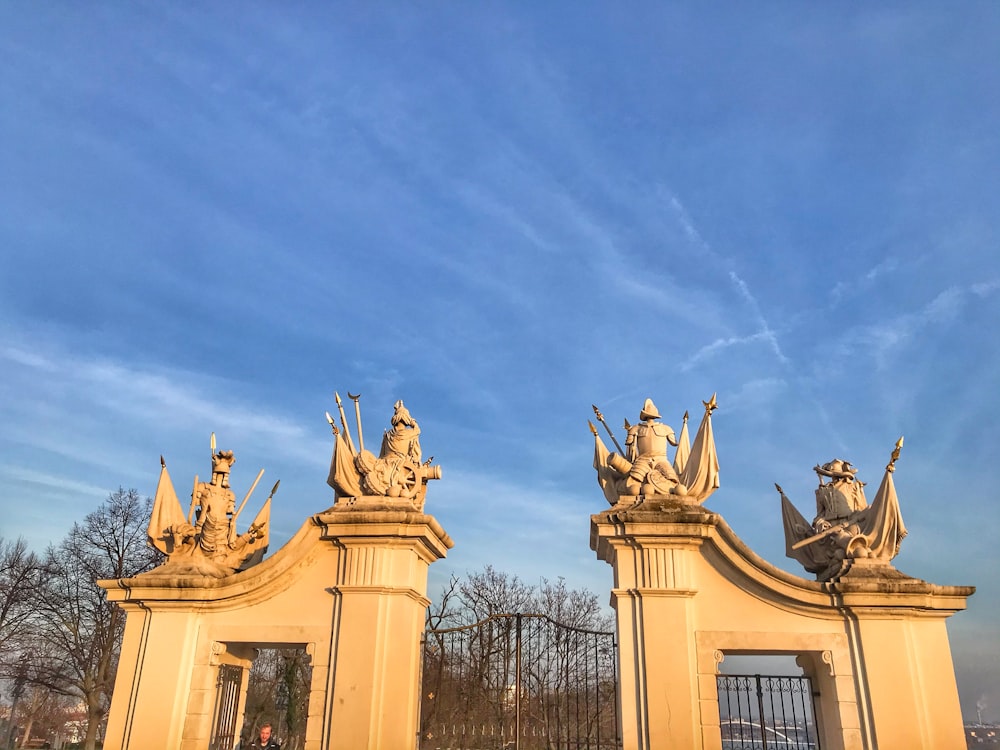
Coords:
pixel 837 469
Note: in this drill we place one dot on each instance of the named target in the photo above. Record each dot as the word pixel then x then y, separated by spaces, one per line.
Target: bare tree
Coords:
pixel 491 592
pixel 79 633
pixel 501 656
pixel 442 612
pixel 578 608
pixel 43 714
pixel 20 570
pixel 19 575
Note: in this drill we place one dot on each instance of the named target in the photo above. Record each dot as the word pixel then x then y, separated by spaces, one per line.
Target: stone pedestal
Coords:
pixel 687 592
pixel 379 603
pixel 349 588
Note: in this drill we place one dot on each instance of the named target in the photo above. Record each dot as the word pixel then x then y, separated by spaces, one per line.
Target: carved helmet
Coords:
pixel 649 410
pixel 222 462
pixel 837 469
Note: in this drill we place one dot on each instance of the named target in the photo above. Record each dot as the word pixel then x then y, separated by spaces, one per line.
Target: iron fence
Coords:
pixel 520 681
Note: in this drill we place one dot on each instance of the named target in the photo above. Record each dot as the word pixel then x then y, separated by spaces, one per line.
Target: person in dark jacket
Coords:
pixel 265 741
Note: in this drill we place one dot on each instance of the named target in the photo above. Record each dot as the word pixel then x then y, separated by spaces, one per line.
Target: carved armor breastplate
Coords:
pixel 650 439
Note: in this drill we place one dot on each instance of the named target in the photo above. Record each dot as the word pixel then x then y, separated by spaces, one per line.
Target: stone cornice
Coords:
pixel 668 523
pixel 376 527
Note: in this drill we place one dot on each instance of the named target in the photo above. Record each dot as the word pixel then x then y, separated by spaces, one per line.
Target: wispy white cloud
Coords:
pixel 690 230
pixel 764 333
pixel 765 329
pixel 883 339
pixel 84 394
pixel 710 350
pixel 22 356
pixel 849 288
pixel 756 394
pixel 61 484
pixel 945 307
pixel 713 264
pixel 985 288
pixel 479 200
pixel 145 395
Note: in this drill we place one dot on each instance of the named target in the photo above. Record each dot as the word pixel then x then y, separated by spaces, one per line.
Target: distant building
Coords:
pixel 982 735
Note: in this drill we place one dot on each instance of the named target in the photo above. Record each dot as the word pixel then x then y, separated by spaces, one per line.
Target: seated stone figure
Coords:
pixel 395 473
pixel 205 542
pixel 645 468
pixel 846 528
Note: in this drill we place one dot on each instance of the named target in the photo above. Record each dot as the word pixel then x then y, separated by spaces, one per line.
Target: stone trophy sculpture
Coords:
pixel 205 542
pixel 846 528
pixel 644 470
pixel 396 476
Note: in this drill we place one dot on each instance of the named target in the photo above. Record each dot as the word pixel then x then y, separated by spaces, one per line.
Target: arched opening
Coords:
pixel 278 695
pixel 766 700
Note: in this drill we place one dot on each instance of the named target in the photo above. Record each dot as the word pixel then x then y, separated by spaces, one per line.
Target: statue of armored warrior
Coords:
pixel 396 472
pixel 222 463
pixel 649 437
pixel 846 527
pixel 205 542
pixel 403 439
pixel 645 468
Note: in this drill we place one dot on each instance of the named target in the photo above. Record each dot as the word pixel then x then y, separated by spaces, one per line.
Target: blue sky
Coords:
pixel 213 217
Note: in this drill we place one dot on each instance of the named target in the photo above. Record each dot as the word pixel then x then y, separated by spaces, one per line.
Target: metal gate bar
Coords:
pixel 227 701
pixel 758 712
pixel 519 681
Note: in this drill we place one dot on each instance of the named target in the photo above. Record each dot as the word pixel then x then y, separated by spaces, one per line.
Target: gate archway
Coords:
pixel 349 589
pixel 757 712
pixel 520 681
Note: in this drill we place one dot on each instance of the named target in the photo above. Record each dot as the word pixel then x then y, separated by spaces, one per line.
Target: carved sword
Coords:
pixel 249 493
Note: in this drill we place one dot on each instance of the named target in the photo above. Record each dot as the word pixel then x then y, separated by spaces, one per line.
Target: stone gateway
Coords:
pixel 350 589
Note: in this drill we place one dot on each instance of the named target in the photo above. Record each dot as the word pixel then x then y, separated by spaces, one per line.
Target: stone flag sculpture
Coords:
pixel 643 468
pixel 396 474
pixel 846 528
pixel 204 542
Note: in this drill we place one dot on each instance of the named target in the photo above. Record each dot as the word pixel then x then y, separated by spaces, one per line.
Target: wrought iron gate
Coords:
pixel 227 703
pixel 767 713
pixel 519 681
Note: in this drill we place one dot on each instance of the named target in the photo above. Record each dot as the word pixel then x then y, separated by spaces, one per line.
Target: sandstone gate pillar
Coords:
pixel 379 603
pixel 687 592
pixel 350 588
